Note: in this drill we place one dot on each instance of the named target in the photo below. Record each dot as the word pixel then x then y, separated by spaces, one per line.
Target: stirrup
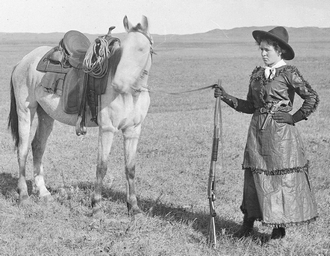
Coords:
pixel 80 126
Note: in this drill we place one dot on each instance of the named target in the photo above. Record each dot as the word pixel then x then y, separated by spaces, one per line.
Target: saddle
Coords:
pixel 69 53
pixel 66 77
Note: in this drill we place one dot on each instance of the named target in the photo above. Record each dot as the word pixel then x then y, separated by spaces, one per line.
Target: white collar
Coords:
pixel 271 71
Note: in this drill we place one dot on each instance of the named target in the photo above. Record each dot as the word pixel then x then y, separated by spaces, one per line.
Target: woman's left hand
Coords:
pixel 283 117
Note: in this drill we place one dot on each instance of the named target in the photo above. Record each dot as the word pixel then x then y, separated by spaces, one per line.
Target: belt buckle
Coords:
pixel 263 110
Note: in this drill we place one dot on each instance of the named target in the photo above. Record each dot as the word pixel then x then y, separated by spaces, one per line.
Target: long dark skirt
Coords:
pixel 278 200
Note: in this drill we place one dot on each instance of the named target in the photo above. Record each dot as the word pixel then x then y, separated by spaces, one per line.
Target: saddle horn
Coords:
pixel 110 29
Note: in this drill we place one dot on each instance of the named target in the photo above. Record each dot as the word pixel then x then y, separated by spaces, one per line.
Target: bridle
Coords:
pixel 149 37
pixel 151 41
pixel 144 71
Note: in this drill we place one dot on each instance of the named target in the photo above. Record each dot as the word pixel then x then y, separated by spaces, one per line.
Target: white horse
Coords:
pixel 123 106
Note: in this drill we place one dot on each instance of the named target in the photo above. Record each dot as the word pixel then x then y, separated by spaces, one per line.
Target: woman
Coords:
pixel 276 180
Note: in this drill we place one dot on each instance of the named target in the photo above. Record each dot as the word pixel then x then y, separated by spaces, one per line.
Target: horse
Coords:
pixel 123 107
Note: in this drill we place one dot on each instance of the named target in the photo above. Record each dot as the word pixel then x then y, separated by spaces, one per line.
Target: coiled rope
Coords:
pixel 96 58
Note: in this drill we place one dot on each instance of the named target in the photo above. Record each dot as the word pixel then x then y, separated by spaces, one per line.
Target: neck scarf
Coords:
pixel 271 71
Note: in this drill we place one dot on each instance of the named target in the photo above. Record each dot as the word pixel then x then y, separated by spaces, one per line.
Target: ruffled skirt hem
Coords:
pixel 290 224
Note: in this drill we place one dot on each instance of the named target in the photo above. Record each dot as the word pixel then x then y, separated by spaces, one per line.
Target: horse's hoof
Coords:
pixel 47 199
pixel 136 211
pixel 98 210
pixel 24 200
pixel 139 216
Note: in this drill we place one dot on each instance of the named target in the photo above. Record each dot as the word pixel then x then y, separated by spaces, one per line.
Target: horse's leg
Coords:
pixel 45 127
pixel 25 117
pixel 104 147
pixel 131 139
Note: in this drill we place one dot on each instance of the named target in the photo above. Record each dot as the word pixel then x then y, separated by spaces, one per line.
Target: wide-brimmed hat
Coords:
pixel 278 34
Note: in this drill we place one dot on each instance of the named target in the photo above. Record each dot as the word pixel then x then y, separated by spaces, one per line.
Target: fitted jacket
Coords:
pixel 272 147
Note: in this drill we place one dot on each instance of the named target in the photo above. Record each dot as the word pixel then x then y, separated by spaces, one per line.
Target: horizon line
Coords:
pixel 123 32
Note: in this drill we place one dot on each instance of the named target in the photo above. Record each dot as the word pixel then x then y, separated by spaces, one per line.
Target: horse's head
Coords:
pixel 136 50
pixel 142 27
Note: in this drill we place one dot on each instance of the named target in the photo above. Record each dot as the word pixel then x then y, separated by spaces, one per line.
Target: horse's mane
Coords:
pixel 114 60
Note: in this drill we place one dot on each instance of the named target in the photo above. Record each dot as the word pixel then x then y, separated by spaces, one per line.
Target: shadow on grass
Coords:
pixel 199 220
pixel 8 184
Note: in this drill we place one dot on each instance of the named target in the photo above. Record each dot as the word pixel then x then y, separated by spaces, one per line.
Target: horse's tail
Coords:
pixel 13 117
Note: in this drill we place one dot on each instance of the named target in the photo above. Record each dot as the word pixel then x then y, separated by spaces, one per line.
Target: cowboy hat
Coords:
pixel 278 34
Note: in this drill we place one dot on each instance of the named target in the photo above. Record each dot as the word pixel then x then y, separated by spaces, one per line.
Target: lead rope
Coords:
pixel 183 92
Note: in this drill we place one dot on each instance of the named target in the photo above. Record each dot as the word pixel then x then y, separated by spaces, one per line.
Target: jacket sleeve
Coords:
pixel 246 106
pixel 305 91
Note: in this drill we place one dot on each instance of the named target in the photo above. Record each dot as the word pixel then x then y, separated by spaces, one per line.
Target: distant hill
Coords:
pixel 245 34
pixel 242 34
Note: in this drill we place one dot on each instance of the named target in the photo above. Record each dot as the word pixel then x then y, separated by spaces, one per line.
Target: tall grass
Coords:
pixel 172 168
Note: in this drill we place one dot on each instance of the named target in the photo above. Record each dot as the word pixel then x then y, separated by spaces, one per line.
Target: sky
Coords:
pixel 164 16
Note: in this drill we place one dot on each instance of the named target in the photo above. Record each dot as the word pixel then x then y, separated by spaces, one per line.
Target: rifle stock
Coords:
pixel 217 136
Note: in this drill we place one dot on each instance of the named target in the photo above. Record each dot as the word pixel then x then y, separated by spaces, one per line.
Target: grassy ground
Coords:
pixel 172 168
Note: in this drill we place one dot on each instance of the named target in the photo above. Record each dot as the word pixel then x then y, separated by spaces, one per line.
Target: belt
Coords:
pixel 263 110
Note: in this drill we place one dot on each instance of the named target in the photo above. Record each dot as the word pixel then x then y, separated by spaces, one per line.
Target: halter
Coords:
pixel 149 37
pixel 145 72
pixel 146 35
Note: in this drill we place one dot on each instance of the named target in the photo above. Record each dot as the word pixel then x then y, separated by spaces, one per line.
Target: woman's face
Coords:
pixel 268 54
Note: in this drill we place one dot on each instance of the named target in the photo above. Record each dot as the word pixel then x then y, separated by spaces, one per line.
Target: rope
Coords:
pixel 99 67
pixel 188 91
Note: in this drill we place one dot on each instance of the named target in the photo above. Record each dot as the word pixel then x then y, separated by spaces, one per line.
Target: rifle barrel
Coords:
pixel 217 136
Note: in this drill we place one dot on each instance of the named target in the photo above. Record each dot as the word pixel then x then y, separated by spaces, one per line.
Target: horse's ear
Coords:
pixel 144 23
pixel 127 24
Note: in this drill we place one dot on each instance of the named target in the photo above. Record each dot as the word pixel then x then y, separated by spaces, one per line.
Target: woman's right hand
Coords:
pixel 219 91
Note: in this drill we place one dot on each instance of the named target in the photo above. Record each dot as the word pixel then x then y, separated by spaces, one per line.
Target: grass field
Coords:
pixel 172 167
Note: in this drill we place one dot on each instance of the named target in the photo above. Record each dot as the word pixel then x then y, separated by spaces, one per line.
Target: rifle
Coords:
pixel 217 136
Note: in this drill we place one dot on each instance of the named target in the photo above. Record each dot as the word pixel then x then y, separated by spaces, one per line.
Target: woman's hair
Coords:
pixel 271 42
